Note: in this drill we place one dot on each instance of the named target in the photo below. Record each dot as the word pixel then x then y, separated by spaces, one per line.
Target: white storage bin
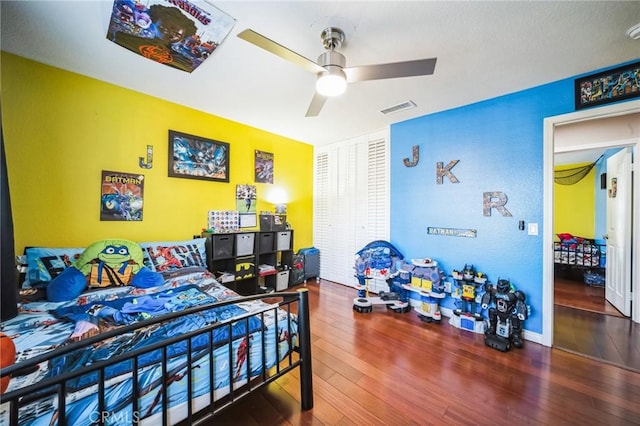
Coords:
pixel 282 281
pixel 283 240
pixel 244 244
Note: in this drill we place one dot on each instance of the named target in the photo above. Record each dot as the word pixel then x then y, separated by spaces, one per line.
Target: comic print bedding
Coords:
pixel 577 251
pixel 44 326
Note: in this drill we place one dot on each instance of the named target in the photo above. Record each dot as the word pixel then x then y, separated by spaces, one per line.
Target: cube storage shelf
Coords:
pixel 235 258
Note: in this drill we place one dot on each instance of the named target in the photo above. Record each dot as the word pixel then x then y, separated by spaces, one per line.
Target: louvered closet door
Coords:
pixel 351 206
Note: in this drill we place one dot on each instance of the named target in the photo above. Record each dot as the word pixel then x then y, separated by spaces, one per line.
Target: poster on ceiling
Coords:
pixel 179 33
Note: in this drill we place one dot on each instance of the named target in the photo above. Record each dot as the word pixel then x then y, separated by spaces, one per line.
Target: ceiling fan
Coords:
pixel 331 70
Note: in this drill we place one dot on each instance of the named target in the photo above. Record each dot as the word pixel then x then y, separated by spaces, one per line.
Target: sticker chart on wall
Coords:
pixel 121 196
pixel 180 34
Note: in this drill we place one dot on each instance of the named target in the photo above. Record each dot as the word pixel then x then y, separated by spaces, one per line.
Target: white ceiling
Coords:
pixel 484 49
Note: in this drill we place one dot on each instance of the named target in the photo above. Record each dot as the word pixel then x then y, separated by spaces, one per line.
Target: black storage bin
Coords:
pixel 221 245
pixel 273 222
pixel 245 267
pixel 266 242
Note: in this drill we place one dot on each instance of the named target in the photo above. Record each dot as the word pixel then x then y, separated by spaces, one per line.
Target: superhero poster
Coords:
pixel 121 196
pixel 264 167
pixel 179 33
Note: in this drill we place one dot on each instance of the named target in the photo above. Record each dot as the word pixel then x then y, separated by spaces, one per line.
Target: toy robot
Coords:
pixel 468 282
pixel 377 260
pixel 505 316
pixel 428 280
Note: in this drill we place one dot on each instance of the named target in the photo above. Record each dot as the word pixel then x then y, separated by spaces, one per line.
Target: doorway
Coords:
pixel 554 128
pixel 583 321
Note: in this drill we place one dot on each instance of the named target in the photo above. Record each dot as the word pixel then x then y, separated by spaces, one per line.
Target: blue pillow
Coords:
pixel 45 263
pixel 163 256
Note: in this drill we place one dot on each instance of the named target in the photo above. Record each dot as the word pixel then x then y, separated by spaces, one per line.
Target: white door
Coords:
pixel 618 272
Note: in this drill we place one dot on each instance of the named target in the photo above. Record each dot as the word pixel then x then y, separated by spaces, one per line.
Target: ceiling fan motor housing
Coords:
pixel 332 58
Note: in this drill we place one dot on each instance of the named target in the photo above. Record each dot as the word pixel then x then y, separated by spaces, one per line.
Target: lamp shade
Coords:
pixel 332 83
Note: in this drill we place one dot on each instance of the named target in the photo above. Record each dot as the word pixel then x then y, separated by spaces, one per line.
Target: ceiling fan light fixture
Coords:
pixel 333 82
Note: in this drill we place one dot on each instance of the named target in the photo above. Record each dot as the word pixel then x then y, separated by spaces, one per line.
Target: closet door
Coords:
pixel 351 202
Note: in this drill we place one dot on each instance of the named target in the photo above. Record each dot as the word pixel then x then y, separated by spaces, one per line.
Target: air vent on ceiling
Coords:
pixel 400 107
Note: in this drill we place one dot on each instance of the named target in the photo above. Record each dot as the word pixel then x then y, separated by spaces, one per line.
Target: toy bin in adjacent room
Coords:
pixel 311 262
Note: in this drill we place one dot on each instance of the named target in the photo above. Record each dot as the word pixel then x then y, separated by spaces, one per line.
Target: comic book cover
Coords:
pixel 179 33
pixel 122 196
pixel 264 167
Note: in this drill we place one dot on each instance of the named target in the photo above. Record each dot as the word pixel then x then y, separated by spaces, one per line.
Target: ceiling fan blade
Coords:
pixel 279 50
pixel 316 105
pixel 391 70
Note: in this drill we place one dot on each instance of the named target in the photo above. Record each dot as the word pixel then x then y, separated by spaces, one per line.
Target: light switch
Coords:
pixel 532 228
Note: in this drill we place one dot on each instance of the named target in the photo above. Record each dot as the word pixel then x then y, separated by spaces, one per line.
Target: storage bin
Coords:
pixel 283 240
pixel 245 244
pixel 282 280
pixel 297 269
pixel 245 267
pixel 221 246
pixel 273 222
pixel 266 242
pixel 595 278
pixel 311 262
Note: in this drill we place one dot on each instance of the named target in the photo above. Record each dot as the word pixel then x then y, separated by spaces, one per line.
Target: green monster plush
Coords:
pixel 104 263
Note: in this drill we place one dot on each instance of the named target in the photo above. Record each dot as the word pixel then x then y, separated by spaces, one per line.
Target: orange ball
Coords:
pixel 7 358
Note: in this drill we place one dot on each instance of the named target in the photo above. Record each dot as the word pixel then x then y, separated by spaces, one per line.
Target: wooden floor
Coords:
pixel 388 368
pixel 585 323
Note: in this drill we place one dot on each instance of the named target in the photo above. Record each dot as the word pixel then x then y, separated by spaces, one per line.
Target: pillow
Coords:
pixel 170 255
pixel 45 263
pixel 105 263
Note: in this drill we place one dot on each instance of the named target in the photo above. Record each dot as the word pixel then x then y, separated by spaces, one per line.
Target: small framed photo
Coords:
pixel 609 86
pixel 194 157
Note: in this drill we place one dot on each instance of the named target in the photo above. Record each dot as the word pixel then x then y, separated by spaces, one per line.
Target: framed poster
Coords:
pixel 194 157
pixel 609 86
pixel 264 167
pixel 121 196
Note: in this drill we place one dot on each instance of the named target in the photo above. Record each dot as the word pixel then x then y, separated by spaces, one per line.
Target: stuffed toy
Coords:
pixel 104 263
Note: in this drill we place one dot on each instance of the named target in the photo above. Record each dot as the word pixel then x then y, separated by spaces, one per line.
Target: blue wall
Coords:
pixel 499 143
pixel 600 198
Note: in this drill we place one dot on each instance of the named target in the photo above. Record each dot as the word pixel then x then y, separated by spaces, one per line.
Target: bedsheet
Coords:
pixel 584 254
pixel 44 326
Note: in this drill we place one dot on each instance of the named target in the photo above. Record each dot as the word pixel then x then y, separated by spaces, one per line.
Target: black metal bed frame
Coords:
pixel 298 356
pixel 582 254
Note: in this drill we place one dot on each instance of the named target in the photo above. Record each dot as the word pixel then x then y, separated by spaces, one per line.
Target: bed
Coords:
pixel 175 353
pixel 580 255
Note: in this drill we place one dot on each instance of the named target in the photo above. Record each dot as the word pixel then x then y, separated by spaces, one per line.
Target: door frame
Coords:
pixel 550 125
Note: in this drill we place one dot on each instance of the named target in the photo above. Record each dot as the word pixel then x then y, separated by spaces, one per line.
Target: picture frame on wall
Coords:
pixel 614 85
pixel 121 196
pixel 263 167
pixel 195 157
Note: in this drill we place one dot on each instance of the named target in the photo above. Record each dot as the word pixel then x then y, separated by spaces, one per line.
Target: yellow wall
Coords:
pixel 574 205
pixel 62 129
